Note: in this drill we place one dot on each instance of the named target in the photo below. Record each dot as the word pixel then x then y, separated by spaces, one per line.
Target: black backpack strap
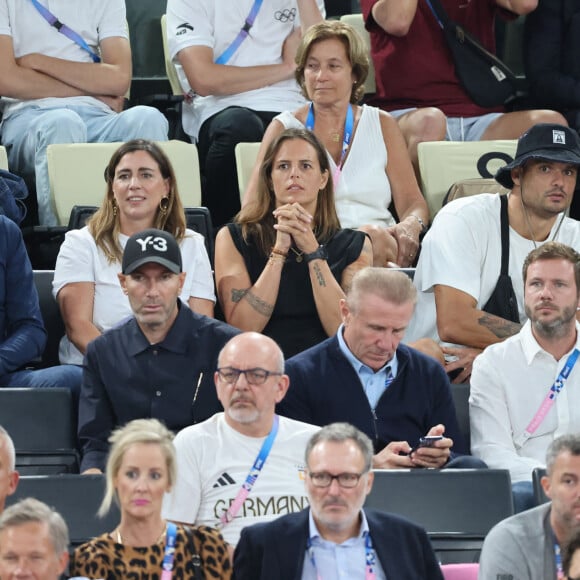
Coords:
pixel 505 234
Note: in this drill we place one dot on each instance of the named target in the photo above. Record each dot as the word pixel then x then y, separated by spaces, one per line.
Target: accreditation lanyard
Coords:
pixel 347 136
pixel 554 391
pixel 370 561
pixel 252 476
pixel 167 565
pixel 64 29
pixel 558 557
pixel 227 54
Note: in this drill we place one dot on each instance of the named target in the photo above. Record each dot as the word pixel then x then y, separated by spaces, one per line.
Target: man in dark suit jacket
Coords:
pixel 303 545
pixel 393 393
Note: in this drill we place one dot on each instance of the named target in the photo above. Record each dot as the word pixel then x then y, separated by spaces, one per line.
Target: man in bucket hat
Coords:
pixel 159 363
pixel 460 263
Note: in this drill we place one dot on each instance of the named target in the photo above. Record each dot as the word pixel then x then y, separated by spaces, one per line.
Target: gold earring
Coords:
pixel 114 208
pixel 164 205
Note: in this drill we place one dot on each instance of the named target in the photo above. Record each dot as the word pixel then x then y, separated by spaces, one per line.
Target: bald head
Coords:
pixel 250 381
pixel 254 344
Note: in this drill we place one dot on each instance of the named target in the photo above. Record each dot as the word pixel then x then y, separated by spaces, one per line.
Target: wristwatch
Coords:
pixel 321 253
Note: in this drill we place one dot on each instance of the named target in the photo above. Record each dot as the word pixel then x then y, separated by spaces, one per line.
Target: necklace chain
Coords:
pixel 159 539
pixel 297 254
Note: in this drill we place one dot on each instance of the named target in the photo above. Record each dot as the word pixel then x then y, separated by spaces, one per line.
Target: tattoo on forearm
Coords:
pixel 260 306
pixel 499 326
pixel 319 275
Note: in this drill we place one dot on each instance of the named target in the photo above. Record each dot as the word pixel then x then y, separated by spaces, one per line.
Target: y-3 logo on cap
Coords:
pixel 159 244
pixel 558 137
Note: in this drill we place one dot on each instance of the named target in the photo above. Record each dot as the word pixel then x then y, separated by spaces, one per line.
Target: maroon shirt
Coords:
pixel 417 70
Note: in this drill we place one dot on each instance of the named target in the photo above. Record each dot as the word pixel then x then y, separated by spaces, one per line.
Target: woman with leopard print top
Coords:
pixel 141 467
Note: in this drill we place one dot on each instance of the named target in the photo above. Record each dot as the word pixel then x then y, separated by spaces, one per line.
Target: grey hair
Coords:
pixel 138 431
pixel 339 433
pixel 31 510
pixel 9 446
pixel 389 285
pixel 570 442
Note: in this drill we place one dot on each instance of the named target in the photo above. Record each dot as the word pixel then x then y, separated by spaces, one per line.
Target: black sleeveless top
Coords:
pixel 295 324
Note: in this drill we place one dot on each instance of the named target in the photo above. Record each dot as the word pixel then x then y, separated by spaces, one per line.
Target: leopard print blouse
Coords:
pixel 104 558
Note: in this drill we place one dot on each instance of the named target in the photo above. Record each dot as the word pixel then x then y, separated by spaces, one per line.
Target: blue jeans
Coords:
pixel 523 494
pixel 27 133
pixel 66 376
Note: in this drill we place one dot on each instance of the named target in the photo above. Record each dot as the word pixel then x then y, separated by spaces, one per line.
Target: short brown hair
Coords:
pixel 356 51
pixel 554 251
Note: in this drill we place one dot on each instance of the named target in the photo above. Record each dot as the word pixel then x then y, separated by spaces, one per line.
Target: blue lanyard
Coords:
pixel 225 56
pixel 348 129
pixel 558 557
pixel 370 559
pixel 167 565
pixel 252 476
pixel 64 29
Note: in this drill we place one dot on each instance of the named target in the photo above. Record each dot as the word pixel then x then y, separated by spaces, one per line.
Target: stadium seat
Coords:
pixel 42 424
pixel 539 494
pixel 76 173
pixel 457 507
pixel 199 220
pixel 357 22
pixel 246 154
pixel 170 69
pixel 442 163
pixel 50 315
pixel 76 497
pixel 460 571
pixel 3 158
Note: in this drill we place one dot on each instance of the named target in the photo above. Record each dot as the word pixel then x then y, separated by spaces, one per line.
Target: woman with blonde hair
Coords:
pixel 368 156
pixel 141 193
pixel 141 468
pixel 284 264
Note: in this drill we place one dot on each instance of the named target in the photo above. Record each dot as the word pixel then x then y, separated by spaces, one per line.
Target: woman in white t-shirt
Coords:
pixel 141 193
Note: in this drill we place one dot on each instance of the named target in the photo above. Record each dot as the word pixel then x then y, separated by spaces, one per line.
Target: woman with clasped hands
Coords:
pixel 141 193
pixel 368 156
pixel 141 467
pixel 283 265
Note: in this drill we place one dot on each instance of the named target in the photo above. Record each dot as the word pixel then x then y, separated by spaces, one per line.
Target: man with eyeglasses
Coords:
pixel 244 465
pixel 159 363
pixel 335 537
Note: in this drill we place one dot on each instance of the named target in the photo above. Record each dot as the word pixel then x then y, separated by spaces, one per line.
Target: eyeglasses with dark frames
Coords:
pixel 324 479
pixel 256 376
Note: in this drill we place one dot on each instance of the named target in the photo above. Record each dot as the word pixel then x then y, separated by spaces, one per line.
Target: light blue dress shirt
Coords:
pixel 344 561
pixel 374 383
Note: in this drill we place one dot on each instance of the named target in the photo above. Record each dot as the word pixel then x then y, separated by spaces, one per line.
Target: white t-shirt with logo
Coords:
pixel 213 461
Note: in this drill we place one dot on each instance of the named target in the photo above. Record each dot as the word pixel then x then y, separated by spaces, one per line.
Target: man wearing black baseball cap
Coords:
pixel 461 298
pixel 160 362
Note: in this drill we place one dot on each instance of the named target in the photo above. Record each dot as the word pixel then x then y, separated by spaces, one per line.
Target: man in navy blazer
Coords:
pixel 363 375
pixel 335 537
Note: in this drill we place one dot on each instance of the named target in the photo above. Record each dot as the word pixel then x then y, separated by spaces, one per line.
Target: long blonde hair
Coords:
pixel 256 218
pixel 105 226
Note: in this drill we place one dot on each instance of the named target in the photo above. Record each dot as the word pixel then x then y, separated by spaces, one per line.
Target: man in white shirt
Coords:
pixel 236 67
pixel 512 420
pixel 247 447
pixel 460 263
pixel 62 88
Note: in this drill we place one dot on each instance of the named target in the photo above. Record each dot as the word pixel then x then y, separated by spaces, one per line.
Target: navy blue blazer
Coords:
pixel 276 549
pixel 325 388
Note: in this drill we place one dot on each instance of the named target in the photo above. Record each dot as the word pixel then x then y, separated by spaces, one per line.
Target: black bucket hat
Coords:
pixel 547 141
